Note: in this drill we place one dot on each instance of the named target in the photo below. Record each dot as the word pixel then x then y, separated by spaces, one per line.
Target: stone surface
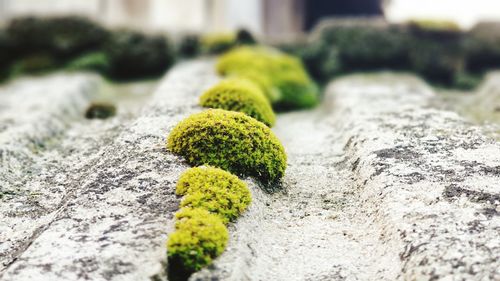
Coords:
pixel 487 99
pixel 380 186
pixel 100 204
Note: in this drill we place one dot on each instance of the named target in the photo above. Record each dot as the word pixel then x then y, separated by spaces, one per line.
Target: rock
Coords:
pixel 379 187
pixel 486 102
pixel 32 116
pixel 115 197
pixel 428 178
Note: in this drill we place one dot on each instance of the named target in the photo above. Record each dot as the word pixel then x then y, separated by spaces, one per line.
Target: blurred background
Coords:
pixel 452 44
pixel 279 18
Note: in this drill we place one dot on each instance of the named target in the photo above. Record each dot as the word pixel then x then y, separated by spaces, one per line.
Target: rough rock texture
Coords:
pixel 99 203
pixel 379 187
pixel 427 177
pixel 487 99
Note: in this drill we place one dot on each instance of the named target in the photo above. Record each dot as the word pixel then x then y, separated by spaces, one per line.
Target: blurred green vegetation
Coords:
pixel 36 45
pixel 436 50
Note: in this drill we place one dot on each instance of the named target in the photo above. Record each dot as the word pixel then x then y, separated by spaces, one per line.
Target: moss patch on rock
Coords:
pixel 217 43
pixel 231 141
pixel 278 67
pixel 198 238
pixel 215 190
pixel 100 111
pixel 240 95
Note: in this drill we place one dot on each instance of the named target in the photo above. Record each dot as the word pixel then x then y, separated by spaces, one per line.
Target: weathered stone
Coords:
pixel 429 178
pixel 115 208
pixel 486 103
pixel 379 187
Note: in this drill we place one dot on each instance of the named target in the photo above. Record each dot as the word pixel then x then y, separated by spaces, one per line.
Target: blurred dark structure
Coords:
pixel 315 10
pixel 286 19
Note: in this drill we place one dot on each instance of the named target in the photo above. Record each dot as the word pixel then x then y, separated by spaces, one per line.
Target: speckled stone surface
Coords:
pixel 428 177
pixel 111 199
pixel 379 186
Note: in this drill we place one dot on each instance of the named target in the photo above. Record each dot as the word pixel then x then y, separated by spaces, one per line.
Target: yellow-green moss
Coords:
pixel 217 43
pixel 232 141
pixel 242 95
pixel 199 237
pixel 278 67
pixel 215 190
pixel 264 82
pixel 438 25
pixel 297 90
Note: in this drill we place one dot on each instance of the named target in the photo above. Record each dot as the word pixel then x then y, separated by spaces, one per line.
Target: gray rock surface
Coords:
pixel 487 99
pixel 379 186
pixel 100 204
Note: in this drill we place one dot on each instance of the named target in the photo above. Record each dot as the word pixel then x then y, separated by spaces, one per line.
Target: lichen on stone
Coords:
pixel 215 190
pixel 231 141
pixel 199 237
pixel 242 95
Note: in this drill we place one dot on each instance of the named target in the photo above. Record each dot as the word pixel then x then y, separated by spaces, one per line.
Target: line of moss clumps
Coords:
pixel 212 198
pixel 231 142
pixel 231 139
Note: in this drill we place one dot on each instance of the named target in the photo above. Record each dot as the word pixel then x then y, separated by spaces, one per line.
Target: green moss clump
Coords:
pixel 247 61
pixel 240 95
pixel 232 141
pixel 245 37
pixel 199 237
pixel 264 82
pixel 189 46
pixel 95 61
pixel 61 37
pixel 437 25
pixel 136 55
pixel 218 43
pixel 299 92
pixel 33 64
pixel 100 111
pixel 361 46
pixel 215 190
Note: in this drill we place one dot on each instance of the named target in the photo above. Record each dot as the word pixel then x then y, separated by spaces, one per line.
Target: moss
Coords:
pixel 64 36
pixel 320 59
pixel 245 37
pixel 95 61
pixel 466 81
pixel 264 82
pixel 215 190
pixel 218 43
pixel 240 95
pixel 437 25
pixel 297 92
pixel 232 141
pixel 189 46
pixel 279 67
pixel 100 111
pixel 482 47
pixel 135 55
pixel 34 64
pixel 199 237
